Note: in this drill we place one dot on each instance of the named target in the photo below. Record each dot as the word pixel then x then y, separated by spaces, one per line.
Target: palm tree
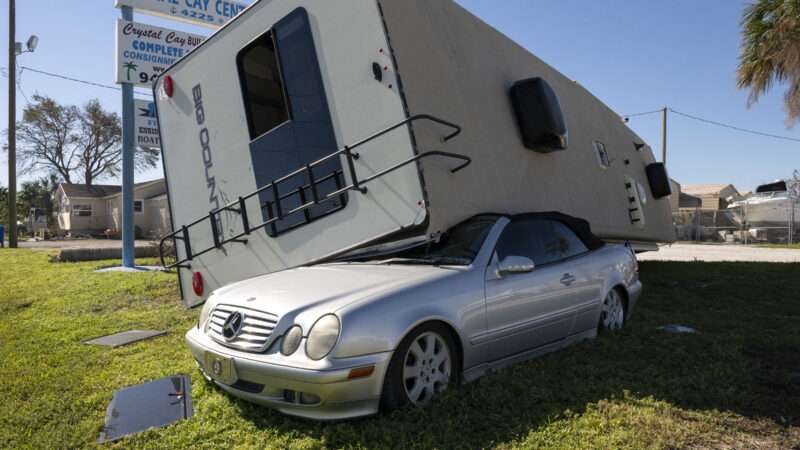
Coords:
pixel 130 66
pixel 770 51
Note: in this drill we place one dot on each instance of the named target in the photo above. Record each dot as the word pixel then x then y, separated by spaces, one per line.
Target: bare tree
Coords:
pixel 76 144
pixel 46 138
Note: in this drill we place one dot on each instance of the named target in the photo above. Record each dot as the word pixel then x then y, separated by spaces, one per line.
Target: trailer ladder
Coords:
pixel 308 195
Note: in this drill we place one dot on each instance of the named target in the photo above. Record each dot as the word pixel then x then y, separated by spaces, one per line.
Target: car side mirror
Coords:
pixel 514 264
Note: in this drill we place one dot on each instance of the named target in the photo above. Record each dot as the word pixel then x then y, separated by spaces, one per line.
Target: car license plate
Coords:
pixel 220 368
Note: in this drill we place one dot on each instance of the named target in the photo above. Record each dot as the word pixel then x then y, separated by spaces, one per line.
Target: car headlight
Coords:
pixel 322 337
pixel 291 340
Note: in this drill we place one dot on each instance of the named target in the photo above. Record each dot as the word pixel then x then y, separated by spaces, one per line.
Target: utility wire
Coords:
pixel 626 116
pixel 732 127
pixel 713 122
pixel 76 80
pixel 19 86
pixel 646 113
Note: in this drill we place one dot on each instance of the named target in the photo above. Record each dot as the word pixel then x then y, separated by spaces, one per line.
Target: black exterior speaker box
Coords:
pixel 539 116
pixel 659 180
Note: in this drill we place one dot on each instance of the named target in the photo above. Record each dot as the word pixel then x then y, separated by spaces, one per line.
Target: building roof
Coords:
pixel 93 191
pixel 99 190
pixel 705 189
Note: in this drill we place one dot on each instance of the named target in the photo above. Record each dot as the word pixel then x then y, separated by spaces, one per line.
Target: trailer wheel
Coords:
pixel 612 314
pixel 423 366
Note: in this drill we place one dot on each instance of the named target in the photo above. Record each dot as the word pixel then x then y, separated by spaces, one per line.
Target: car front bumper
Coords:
pixel 267 380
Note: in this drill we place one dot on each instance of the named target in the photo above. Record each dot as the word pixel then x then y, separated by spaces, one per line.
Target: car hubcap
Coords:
pixel 426 368
pixel 613 312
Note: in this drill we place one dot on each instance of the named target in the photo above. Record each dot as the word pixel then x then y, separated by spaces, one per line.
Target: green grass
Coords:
pixel 789 246
pixel 736 384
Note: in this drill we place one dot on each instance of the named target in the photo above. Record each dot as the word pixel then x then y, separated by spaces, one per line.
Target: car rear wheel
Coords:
pixel 422 367
pixel 612 316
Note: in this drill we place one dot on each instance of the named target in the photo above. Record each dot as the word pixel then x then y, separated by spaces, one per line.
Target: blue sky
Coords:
pixel 633 55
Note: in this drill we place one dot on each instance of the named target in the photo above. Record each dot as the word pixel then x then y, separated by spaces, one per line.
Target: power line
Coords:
pixel 19 87
pixel 646 113
pixel 76 80
pixel 732 127
pixel 626 116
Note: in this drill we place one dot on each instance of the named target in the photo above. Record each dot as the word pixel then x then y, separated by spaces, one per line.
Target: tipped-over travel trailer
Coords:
pixel 303 129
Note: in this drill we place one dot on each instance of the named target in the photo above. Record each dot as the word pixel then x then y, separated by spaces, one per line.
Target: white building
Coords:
pixel 96 209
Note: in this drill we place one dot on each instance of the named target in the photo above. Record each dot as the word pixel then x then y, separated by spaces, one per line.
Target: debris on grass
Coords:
pixel 124 338
pixel 150 405
pixel 678 329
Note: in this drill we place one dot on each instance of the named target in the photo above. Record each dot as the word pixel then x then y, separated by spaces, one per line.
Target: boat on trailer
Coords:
pixel 773 205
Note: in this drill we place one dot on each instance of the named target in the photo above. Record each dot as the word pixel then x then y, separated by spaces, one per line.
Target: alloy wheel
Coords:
pixel 426 368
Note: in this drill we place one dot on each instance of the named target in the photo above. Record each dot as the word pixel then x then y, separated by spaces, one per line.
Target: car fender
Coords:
pixel 379 325
pixel 364 333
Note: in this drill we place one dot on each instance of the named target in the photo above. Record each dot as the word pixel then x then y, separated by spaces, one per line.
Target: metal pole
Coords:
pixel 128 115
pixel 12 126
pixel 791 220
pixel 664 136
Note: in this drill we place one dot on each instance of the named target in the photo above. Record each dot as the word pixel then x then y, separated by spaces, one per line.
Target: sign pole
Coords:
pixel 128 147
pixel 664 136
pixel 12 127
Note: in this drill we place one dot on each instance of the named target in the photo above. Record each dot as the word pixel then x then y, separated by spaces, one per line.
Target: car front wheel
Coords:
pixel 422 367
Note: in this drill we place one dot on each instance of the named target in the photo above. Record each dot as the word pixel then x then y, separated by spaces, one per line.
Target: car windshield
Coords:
pixel 456 247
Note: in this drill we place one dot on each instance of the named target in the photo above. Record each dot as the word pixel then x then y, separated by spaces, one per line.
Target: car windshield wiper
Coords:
pixel 407 261
pixel 435 261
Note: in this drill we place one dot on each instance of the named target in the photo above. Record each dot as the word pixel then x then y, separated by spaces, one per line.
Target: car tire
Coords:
pixel 612 312
pixel 417 372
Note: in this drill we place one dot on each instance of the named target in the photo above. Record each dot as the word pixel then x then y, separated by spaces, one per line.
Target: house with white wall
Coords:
pixel 96 209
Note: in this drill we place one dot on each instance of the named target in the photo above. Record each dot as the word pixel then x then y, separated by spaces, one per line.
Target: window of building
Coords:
pixel 602 154
pixel 138 206
pixel 82 210
pixel 262 86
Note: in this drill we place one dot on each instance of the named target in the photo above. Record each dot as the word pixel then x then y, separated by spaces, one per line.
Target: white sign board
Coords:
pixel 212 13
pixel 144 51
pixel 146 125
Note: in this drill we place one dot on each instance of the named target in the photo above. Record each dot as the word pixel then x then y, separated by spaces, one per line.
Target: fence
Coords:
pixel 739 226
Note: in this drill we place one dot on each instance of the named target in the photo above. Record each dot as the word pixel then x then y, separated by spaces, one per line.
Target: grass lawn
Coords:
pixel 789 246
pixel 736 384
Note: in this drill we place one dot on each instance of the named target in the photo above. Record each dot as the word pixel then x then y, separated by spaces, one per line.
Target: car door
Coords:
pixel 528 310
pixel 580 274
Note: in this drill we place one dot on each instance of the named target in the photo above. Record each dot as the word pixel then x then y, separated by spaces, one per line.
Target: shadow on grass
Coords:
pixel 745 359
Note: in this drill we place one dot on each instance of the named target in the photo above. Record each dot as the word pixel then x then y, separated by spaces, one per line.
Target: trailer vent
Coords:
pixel 539 116
pixel 252 334
pixel 635 203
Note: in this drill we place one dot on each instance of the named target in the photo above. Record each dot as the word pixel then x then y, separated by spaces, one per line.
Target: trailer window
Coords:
pixel 262 86
pixel 602 154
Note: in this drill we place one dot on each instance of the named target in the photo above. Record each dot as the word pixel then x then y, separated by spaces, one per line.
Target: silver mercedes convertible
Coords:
pixel 397 324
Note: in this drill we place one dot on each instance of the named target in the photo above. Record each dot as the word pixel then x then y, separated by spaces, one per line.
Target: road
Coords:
pixel 718 253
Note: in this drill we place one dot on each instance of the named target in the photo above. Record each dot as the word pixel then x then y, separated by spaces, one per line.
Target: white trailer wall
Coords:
pixel 455 66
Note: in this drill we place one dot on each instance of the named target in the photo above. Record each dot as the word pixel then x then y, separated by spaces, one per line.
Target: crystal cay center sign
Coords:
pixel 211 13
